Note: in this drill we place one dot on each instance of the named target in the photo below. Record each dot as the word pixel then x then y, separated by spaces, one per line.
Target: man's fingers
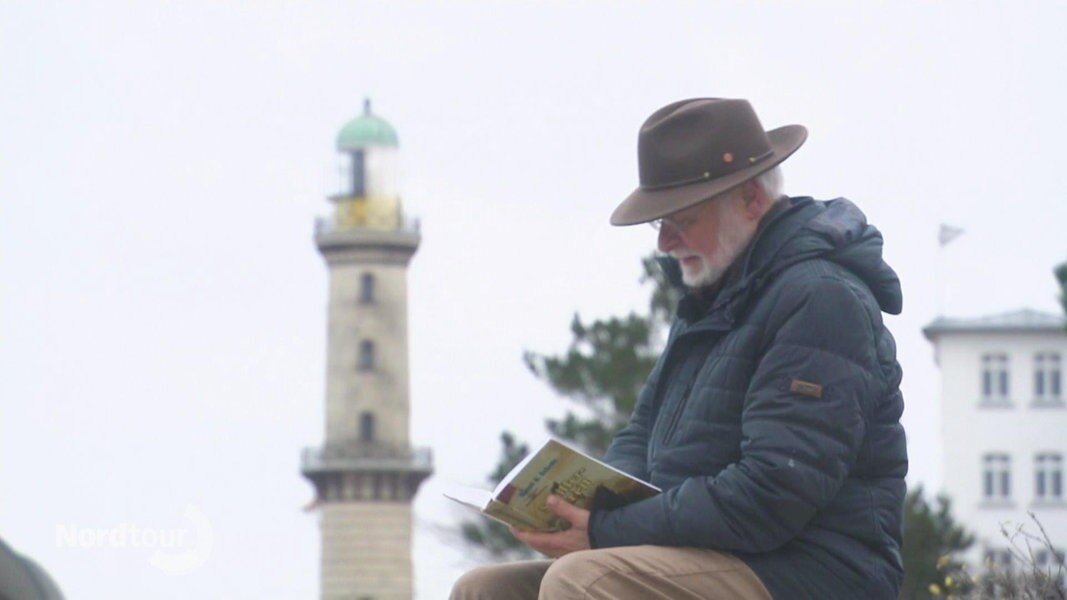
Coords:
pixel 562 508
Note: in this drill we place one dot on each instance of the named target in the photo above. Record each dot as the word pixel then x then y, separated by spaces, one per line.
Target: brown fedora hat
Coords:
pixel 692 150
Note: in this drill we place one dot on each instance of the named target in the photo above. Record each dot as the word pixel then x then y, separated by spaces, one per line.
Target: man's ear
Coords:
pixel 756 201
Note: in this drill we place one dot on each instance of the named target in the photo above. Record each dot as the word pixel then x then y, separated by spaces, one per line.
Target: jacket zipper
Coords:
pixel 672 425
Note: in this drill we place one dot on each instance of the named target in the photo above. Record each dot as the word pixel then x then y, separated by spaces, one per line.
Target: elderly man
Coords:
pixel 772 418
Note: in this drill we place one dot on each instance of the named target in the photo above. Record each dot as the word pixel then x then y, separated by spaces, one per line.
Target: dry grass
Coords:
pixel 1024 579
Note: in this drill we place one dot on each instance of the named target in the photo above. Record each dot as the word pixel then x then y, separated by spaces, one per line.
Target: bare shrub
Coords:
pixel 1036 571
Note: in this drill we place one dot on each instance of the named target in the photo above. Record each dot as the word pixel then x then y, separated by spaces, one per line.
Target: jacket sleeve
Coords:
pixel 802 425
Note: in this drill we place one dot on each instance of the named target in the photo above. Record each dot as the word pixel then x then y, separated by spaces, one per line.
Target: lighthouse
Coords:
pixel 366 472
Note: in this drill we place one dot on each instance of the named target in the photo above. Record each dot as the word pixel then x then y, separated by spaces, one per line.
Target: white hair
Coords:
pixel 771 182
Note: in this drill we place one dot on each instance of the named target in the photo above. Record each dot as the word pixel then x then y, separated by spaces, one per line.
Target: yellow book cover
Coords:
pixel 555 468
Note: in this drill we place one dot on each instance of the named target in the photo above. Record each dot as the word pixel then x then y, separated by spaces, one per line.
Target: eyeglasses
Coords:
pixel 681 225
pixel 677 225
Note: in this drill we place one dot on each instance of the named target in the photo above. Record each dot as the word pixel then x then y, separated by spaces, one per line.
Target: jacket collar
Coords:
pixel 717 306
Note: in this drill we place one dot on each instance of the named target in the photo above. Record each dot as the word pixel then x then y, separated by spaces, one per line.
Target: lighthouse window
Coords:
pixel 366 427
pixel 358 184
pixel 366 355
pixel 366 288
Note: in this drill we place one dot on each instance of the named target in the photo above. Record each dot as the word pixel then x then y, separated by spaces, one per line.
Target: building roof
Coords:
pixel 1024 320
pixel 366 130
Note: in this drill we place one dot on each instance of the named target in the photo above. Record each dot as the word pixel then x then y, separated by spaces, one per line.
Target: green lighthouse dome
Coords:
pixel 366 130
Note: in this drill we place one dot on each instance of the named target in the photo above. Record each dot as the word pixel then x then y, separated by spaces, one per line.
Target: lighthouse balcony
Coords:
pixel 365 457
pixel 342 243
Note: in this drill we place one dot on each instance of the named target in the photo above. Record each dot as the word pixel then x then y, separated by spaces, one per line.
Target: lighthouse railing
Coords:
pixel 327 225
pixel 331 458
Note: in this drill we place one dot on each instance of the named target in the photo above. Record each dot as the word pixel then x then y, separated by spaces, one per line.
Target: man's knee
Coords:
pixel 510 580
pixel 479 584
pixel 475 584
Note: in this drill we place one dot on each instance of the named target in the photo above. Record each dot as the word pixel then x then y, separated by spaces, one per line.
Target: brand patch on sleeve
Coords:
pixel 806 388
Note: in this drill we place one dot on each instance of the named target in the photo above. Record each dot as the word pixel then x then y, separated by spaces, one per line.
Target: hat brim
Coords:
pixel 644 205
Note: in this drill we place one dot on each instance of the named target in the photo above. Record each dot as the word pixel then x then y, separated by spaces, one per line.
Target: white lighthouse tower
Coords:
pixel 366 473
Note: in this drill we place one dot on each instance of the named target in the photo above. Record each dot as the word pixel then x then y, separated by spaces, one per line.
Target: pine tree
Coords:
pixel 602 372
pixel 491 536
pixel 1061 277
pixel 932 541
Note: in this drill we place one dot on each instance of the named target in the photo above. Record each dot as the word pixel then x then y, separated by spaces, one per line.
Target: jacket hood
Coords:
pixel 806 229
pixel 857 246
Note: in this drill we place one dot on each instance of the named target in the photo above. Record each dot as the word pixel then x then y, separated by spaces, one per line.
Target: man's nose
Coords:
pixel 667 239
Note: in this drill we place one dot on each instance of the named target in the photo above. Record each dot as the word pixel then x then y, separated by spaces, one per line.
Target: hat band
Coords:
pixel 706 176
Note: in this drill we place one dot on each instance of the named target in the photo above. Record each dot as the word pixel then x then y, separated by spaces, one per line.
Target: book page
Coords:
pixel 558 469
pixel 474 497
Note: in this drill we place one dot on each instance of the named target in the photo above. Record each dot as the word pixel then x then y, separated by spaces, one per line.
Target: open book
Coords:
pixel 554 468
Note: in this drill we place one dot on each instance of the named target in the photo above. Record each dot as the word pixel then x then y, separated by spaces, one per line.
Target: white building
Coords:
pixel 1004 426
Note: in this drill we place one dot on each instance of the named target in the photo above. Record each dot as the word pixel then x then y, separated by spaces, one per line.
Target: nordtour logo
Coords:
pixel 173 550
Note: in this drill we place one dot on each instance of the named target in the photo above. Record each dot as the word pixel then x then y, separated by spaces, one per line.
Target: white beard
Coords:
pixel 733 238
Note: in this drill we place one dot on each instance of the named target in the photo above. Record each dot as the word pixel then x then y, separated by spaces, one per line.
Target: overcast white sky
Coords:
pixel 162 304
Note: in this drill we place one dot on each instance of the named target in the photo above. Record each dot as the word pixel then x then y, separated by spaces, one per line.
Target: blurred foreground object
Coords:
pixel 23 579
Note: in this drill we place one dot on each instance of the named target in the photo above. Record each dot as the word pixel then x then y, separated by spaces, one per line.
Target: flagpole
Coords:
pixel 945 234
pixel 939 273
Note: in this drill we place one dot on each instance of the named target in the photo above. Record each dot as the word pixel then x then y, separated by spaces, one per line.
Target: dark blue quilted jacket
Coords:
pixel 772 419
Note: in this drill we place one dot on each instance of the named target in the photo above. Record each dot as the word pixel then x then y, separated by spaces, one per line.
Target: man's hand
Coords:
pixel 561 542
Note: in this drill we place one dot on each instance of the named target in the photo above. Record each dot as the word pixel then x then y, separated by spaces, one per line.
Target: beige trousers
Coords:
pixel 624 573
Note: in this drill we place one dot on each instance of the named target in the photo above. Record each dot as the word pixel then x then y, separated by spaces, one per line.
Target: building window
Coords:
pixel 1047 379
pixel 998 558
pixel 366 288
pixel 996 477
pixel 1045 559
pixel 1048 477
pixel 366 355
pixel 995 384
pixel 366 427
